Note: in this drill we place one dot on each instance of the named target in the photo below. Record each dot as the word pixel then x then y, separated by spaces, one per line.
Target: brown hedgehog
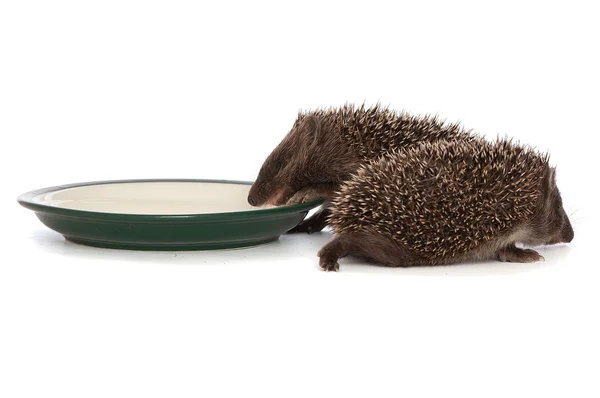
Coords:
pixel 325 146
pixel 446 202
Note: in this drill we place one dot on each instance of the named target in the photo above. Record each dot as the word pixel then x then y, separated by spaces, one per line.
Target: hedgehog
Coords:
pixel 446 202
pixel 325 146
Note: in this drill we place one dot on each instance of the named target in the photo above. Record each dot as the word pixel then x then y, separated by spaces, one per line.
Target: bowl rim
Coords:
pixel 26 200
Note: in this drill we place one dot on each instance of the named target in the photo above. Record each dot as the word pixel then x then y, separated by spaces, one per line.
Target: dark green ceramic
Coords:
pixel 222 230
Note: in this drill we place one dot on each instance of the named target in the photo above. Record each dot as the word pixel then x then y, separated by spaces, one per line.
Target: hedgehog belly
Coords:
pixel 442 200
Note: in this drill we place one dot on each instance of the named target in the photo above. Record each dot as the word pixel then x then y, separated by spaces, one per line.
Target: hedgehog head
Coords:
pixel 550 225
pixel 310 154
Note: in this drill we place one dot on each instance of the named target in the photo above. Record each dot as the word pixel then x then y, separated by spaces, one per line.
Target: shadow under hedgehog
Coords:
pixel 446 202
pixel 325 146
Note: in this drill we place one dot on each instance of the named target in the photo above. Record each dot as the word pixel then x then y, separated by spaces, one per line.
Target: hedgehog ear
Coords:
pixel 550 180
pixel 311 126
pixel 552 177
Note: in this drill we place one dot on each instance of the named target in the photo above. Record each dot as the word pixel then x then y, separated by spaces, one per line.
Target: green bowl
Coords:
pixel 161 214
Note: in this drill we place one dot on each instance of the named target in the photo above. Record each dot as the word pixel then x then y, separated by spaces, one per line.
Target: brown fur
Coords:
pixel 446 202
pixel 324 147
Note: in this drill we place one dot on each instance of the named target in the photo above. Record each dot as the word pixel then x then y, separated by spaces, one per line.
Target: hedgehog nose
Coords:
pixel 569 235
pixel 252 201
pixel 567 232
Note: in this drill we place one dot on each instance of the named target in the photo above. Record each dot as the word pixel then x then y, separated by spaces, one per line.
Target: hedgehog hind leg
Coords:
pixel 514 254
pixel 366 245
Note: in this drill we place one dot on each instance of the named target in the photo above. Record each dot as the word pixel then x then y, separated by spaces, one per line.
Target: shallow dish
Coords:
pixel 161 214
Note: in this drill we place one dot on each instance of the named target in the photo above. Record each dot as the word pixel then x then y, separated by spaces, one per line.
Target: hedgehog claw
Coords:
pixel 329 265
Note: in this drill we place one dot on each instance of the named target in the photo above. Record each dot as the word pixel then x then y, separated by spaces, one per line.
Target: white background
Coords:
pixel 124 89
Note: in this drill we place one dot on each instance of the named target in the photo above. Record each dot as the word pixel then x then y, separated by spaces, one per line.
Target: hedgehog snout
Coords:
pixel 567 232
pixel 252 200
pixel 569 236
pixel 256 194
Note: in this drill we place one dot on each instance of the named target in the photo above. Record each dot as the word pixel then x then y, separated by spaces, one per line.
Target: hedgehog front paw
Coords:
pixel 303 196
pixel 327 261
pixel 310 225
pixel 305 226
pixel 329 265
pixel 515 255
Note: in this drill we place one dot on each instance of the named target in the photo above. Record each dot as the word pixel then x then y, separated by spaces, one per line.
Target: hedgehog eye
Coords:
pixel 279 165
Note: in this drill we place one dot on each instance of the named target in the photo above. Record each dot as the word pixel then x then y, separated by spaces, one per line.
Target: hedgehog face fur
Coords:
pixel 449 201
pixel 551 225
pixel 326 145
pixel 303 159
